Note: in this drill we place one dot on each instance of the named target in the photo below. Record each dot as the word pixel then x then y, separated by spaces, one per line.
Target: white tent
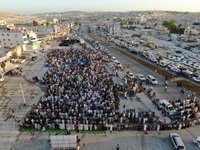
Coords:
pixel 63 142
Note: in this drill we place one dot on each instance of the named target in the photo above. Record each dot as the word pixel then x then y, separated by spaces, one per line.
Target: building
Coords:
pixel 191 31
pixel 161 30
pixel 48 29
pixel 2 22
pixel 112 28
pixel 12 38
pixel 64 142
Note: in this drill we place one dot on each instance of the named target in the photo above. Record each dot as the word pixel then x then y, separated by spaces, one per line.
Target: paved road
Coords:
pixel 11 138
pixel 171 93
pixel 160 50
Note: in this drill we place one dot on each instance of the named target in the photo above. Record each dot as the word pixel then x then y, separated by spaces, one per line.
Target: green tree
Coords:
pixel 47 24
pixel 158 60
pixel 35 23
pixel 181 30
pixel 123 22
pixel 89 30
pixel 169 24
pixel 3 66
pixel 130 22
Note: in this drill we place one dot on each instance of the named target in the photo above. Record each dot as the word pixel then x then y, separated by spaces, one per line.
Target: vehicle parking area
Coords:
pixel 130 80
pixel 177 118
pixel 181 59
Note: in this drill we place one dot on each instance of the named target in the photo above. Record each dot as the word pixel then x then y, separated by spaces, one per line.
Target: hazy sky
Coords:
pixel 42 6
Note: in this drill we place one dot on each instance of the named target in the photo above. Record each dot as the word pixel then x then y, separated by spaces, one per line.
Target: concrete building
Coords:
pixel 12 38
pixel 2 22
pixel 191 31
pixel 48 29
pixel 34 45
pixel 161 30
pixel 112 28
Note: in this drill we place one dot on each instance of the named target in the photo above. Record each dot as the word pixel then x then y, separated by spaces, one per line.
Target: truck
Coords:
pixel 164 63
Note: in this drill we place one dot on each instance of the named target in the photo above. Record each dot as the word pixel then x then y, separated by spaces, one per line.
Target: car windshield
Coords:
pixel 171 108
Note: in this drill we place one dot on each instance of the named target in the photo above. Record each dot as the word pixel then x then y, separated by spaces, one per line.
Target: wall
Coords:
pixel 11 39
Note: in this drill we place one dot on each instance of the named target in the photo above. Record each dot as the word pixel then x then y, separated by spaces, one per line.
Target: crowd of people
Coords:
pixel 79 92
pixel 81 95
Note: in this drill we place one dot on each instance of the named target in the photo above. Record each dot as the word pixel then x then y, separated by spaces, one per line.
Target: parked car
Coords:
pixel 186 73
pixel 196 74
pixel 141 77
pixel 166 106
pixel 130 75
pixel 177 141
pixel 175 69
pixel 197 141
pixel 196 79
pixel 118 64
pixel 113 59
pixel 151 79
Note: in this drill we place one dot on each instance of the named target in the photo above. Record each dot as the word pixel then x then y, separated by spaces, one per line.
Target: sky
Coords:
pixel 45 6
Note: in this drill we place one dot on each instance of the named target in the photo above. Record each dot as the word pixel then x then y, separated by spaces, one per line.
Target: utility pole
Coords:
pixel 22 94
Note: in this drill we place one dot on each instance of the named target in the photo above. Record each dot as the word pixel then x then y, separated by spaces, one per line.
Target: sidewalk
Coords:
pixel 116 79
pixel 148 103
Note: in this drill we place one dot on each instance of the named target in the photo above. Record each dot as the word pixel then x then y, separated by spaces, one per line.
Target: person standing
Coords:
pixel 158 127
pixel 166 88
pixel 145 129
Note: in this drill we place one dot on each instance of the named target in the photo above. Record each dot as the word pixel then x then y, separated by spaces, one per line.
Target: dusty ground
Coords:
pixel 11 138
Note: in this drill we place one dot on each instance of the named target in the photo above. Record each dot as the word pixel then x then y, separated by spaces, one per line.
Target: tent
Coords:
pixel 63 142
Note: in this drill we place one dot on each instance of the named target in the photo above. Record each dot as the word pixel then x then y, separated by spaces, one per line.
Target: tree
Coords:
pixel 47 24
pixel 181 30
pixel 191 77
pixel 3 66
pixel 123 22
pixel 158 60
pixel 89 30
pixel 171 25
pixel 130 22
pixel 35 23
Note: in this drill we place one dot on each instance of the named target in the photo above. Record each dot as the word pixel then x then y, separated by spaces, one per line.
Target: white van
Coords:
pixel 118 64
pixel 151 79
pixel 177 141
pixel 197 141
pixel 166 106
